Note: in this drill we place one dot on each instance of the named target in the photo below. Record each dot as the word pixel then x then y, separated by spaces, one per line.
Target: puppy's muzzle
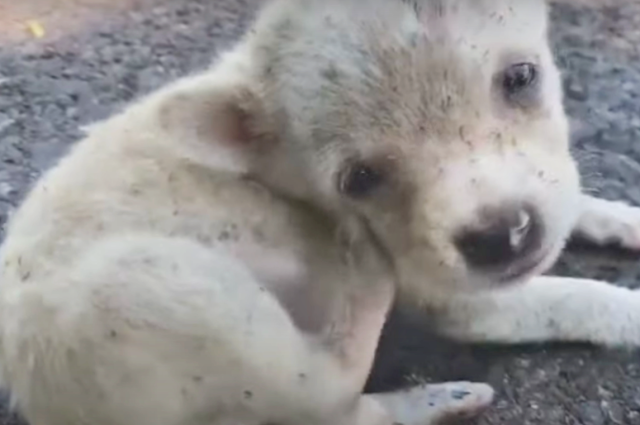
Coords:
pixel 506 241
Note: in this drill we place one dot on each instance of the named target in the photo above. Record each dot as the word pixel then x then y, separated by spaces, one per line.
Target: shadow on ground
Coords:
pixel 49 88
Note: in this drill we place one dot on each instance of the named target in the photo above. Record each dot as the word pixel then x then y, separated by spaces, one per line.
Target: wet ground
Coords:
pixel 96 55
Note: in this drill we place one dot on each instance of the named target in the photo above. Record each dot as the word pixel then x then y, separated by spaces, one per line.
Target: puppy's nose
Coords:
pixel 507 235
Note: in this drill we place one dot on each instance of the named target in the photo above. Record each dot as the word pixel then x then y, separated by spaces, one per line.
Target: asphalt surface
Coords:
pixel 49 88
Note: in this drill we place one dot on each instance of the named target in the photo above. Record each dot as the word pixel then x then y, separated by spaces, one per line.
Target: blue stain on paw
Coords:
pixel 459 394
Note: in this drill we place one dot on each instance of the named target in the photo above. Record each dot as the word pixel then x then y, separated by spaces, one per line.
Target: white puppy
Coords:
pixel 226 250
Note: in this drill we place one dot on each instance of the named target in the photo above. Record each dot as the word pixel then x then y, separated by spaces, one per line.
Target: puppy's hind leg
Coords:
pixel 160 331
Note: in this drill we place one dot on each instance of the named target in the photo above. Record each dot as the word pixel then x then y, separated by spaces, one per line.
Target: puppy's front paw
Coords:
pixel 610 223
pixel 438 403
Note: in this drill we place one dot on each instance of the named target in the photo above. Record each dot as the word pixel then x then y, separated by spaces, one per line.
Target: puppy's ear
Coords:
pixel 216 121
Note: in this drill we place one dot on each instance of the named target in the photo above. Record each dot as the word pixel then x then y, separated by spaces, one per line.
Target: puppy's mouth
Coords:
pixel 527 267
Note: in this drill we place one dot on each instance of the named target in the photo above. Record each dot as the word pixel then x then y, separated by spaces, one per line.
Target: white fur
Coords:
pixel 604 222
pixel 192 260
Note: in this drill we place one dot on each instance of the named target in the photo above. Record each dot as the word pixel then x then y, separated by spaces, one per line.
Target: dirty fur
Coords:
pixel 226 249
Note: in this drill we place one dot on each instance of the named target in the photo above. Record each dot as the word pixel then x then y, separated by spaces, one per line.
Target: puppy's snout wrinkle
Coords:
pixel 505 235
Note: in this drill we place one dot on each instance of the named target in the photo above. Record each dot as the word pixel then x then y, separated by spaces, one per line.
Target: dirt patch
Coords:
pixel 22 20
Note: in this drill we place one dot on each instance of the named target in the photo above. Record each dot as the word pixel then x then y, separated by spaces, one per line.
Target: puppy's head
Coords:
pixel 438 125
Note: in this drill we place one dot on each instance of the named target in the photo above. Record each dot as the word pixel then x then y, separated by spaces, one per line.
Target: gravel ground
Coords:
pixel 48 89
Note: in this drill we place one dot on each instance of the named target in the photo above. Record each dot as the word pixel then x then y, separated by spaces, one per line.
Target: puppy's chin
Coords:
pixel 536 266
pixel 520 273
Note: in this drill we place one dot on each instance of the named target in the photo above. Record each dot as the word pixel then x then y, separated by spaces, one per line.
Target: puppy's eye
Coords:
pixel 360 179
pixel 519 77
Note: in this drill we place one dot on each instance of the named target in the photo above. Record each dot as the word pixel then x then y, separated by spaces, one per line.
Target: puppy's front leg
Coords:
pixel 545 309
pixel 434 403
pixel 603 222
